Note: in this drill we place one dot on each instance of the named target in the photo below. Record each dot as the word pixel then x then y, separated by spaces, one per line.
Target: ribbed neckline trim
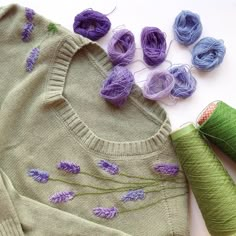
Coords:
pixel 55 88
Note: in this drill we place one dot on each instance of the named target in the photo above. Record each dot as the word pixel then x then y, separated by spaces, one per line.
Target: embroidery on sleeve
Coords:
pixel 166 169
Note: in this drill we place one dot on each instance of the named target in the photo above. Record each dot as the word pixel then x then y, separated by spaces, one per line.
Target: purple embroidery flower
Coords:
pixel 133 195
pixel 60 197
pixel 39 175
pixel 166 169
pixel 29 14
pixel 27 31
pixel 109 167
pixel 107 213
pixel 32 59
pixel 68 167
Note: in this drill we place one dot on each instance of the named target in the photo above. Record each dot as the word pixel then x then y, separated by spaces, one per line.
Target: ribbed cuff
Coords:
pixel 10 228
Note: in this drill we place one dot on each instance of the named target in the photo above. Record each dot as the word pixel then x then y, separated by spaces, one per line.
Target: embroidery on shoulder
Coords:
pixel 35 52
pixel 28 27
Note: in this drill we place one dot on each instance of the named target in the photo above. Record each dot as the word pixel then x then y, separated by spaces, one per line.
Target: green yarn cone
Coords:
pixel 220 129
pixel 213 188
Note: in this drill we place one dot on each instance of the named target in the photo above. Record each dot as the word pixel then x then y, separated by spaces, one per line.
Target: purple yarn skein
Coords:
pixel 185 83
pixel 153 43
pixel 121 48
pixel 117 87
pixel 158 85
pixel 91 24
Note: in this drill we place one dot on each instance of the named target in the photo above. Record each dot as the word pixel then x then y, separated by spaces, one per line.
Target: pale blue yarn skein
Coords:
pixel 187 27
pixel 208 53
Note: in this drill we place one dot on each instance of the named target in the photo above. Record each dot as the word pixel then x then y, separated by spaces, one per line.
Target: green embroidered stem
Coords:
pixel 101 193
pixel 116 181
pixel 136 177
pixel 211 136
pixel 104 189
pixel 151 204
pixel 156 191
pixel 167 178
pixel 52 28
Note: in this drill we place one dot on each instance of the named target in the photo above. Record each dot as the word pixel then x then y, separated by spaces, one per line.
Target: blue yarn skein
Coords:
pixel 187 27
pixel 208 53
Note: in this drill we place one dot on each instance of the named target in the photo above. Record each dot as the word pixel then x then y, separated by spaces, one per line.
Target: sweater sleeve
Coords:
pixel 23 216
pixel 21 31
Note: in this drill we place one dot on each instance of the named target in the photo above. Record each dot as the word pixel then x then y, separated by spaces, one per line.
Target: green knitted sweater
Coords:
pixel 71 163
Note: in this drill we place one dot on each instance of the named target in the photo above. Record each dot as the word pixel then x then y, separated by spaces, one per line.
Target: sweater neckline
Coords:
pixel 86 137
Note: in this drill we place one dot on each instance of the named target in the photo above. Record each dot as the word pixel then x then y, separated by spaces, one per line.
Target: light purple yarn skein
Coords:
pixel 117 87
pixel 121 48
pixel 185 83
pixel 153 43
pixel 158 85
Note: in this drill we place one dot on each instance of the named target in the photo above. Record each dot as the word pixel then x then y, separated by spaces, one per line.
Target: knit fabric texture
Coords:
pixel 72 163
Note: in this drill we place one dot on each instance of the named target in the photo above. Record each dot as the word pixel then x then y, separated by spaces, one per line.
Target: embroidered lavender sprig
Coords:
pixel 34 54
pixel 109 167
pixel 39 175
pixel 61 197
pixel 69 167
pixel 32 59
pixel 27 31
pixel 133 195
pixel 29 14
pixel 28 26
pixel 106 213
pixel 166 169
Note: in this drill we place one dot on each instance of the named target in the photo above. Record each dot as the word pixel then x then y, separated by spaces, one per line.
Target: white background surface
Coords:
pixel 218 18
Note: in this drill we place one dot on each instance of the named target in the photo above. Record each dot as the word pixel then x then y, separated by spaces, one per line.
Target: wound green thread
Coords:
pixel 212 186
pixel 220 129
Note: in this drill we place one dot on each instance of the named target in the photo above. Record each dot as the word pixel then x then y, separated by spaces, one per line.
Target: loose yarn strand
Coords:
pixel 214 137
pixel 220 128
pixel 114 9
